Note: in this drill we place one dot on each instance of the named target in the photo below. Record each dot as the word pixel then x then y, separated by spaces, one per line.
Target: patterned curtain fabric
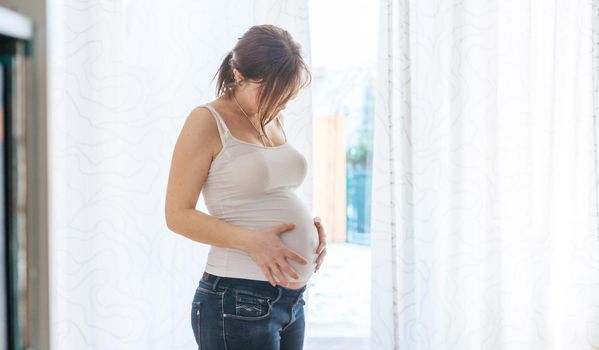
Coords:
pixel 485 176
pixel 124 75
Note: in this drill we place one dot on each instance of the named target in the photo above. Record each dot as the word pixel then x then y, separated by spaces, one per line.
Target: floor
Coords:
pixel 337 306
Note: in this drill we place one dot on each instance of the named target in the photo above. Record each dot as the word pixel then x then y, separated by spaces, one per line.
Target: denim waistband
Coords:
pixel 215 281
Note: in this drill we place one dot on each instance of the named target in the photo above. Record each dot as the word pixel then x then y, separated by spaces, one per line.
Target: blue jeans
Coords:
pixel 235 313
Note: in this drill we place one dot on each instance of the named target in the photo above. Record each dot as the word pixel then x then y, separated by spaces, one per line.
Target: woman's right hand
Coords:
pixel 267 249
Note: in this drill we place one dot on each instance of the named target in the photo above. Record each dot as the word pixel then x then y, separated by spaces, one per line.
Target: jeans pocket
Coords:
pixel 246 305
pixel 196 313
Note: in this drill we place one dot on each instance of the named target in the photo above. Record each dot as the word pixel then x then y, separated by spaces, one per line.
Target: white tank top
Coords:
pixel 253 187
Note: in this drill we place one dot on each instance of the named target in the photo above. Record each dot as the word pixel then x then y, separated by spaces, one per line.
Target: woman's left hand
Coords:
pixel 322 246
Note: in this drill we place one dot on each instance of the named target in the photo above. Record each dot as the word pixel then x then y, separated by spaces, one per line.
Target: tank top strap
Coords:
pixel 281 126
pixel 220 123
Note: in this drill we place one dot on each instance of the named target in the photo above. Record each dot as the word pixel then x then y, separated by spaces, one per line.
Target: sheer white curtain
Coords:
pixel 124 76
pixel 484 224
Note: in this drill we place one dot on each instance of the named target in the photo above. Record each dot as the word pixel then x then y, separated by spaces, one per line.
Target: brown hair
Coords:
pixel 268 55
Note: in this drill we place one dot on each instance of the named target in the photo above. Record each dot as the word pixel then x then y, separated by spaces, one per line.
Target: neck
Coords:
pixel 239 108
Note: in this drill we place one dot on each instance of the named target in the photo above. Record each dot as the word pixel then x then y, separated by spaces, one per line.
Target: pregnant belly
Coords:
pixel 303 238
pixel 283 208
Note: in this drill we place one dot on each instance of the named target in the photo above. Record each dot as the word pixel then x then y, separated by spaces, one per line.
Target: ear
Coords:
pixel 237 75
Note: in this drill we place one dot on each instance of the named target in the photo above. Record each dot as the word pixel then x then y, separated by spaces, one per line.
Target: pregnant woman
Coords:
pixel 264 244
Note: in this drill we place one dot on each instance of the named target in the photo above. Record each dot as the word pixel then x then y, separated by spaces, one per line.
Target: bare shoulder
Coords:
pixel 201 130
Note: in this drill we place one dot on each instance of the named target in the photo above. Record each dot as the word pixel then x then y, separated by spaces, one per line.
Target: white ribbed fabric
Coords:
pixel 254 187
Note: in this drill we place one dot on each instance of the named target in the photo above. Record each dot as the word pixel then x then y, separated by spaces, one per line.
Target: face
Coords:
pixel 247 93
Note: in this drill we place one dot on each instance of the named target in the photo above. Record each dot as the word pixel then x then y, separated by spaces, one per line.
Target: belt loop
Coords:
pixel 216 280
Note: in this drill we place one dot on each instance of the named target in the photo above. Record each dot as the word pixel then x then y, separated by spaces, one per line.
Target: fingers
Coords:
pixel 320 259
pixel 321 256
pixel 295 256
pixel 268 274
pixel 285 227
pixel 279 275
pixel 321 246
pixel 317 220
pixel 289 269
pixel 322 237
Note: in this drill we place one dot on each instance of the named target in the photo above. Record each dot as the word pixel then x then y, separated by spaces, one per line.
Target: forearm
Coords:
pixel 207 229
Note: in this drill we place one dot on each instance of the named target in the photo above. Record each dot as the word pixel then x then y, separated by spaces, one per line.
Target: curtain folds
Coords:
pixel 485 177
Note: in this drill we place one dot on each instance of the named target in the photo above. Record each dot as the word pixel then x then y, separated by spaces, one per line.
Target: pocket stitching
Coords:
pixel 249 301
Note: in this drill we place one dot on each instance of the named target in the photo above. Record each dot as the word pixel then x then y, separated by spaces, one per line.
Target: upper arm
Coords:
pixel 191 159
